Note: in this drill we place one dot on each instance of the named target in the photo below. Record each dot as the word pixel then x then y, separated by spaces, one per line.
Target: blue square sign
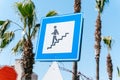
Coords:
pixel 60 38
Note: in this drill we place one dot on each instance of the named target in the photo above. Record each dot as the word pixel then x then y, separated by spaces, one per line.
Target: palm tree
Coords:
pixel 100 6
pixel 77 9
pixel 26 10
pixel 108 40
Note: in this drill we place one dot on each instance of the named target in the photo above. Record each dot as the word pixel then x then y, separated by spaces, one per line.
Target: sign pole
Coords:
pixel 77 9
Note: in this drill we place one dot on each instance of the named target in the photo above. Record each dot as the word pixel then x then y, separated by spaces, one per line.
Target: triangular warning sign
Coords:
pixel 53 73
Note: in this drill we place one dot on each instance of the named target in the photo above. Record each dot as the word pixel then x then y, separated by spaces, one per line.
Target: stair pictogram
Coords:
pixel 60 39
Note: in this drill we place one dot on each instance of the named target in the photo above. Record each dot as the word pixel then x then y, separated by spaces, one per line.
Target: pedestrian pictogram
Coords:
pixel 60 38
pixel 55 40
pixel 55 33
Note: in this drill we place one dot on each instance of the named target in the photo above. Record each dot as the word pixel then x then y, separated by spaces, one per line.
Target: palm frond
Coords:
pixel 35 29
pixel 27 10
pixel 100 4
pixel 118 71
pixel 18 47
pixel 51 13
pixel 107 40
pixel 4 27
pixel 103 2
pixel 6 39
pixel 1 22
pixel 21 10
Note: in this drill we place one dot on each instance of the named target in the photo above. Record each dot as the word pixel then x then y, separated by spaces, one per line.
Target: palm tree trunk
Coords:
pixel 28 59
pixel 77 6
pixel 77 9
pixel 109 66
pixel 97 68
pixel 97 44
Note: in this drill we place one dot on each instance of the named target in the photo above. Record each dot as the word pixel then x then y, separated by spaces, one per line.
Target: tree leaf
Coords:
pixel 118 71
pixel 4 27
pixel 51 13
pixel 1 22
pixel 6 39
pixel 35 29
pixel 18 47
pixel 100 4
pixel 107 40
pixel 20 8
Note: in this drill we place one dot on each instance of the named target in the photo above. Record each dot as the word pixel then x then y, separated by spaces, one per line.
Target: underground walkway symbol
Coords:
pixel 55 40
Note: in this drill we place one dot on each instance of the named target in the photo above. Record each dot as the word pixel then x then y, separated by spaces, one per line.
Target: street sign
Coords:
pixel 60 38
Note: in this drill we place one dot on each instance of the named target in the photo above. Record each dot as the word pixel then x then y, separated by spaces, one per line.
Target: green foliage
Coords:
pixel 27 11
pixel 4 27
pixel 20 9
pixel 51 13
pixel 35 29
pixel 1 22
pixel 6 39
pixel 100 4
pixel 107 40
pixel 26 8
pixel 18 47
pixel 118 71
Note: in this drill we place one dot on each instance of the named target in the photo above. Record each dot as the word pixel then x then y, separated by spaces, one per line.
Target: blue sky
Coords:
pixel 110 27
